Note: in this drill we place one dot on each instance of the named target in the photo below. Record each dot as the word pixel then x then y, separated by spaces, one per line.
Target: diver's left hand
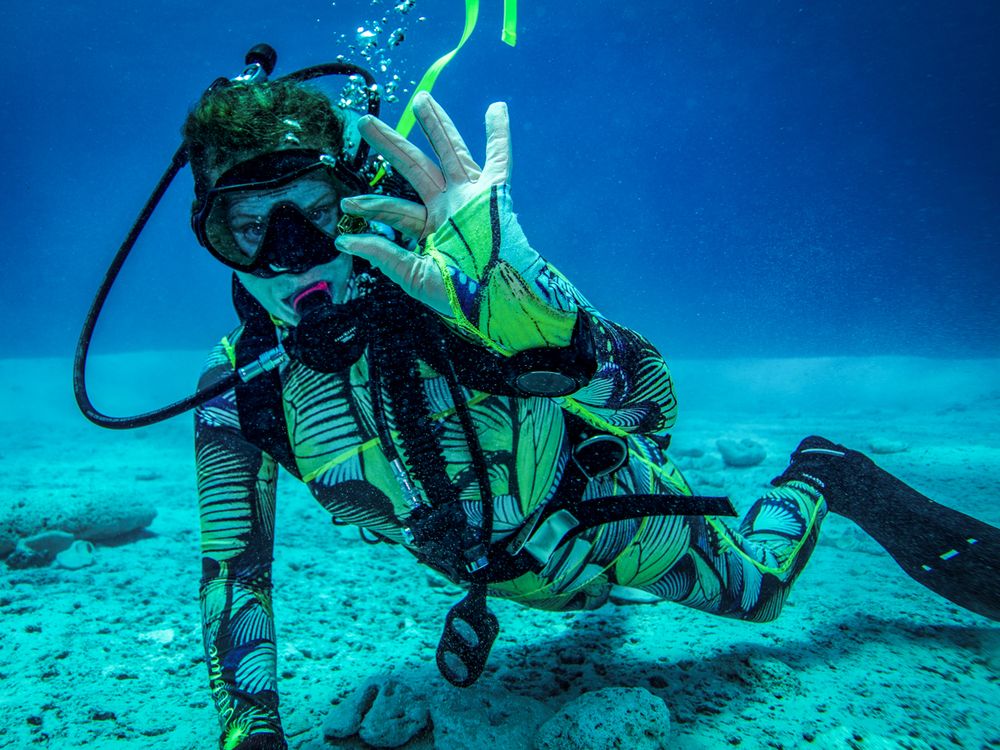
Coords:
pixel 444 187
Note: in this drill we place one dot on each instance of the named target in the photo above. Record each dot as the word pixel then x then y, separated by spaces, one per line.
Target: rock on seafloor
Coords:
pixel 383 712
pixel 91 516
pixel 607 719
pixel 884 446
pixel 39 549
pixel 741 454
pixel 386 712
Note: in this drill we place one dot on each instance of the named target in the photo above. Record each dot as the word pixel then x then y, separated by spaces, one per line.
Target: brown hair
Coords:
pixel 233 122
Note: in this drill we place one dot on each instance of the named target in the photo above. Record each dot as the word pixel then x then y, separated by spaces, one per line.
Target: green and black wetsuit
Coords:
pixel 505 298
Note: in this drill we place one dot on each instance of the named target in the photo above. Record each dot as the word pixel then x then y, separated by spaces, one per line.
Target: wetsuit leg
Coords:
pixel 744 573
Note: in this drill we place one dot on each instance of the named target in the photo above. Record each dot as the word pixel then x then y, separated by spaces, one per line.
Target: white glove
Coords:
pixel 444 188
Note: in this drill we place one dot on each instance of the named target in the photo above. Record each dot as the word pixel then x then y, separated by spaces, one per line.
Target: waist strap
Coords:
pixel 567 515
pixel 574 520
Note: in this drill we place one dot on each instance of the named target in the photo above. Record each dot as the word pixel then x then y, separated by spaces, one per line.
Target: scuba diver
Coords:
pixel 406 353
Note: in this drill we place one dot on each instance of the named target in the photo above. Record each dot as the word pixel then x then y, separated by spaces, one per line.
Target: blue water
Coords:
pixel 739 178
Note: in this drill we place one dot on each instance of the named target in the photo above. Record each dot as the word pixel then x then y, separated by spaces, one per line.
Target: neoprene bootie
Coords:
pixel 951 553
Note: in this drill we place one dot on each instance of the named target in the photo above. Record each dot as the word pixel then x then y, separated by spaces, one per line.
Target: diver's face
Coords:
pixel 248 218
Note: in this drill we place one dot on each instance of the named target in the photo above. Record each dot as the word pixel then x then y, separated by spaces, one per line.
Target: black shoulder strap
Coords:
pixel 482 370
pixel 258 402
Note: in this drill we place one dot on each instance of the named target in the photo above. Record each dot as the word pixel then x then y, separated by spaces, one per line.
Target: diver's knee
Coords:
pixel 769 608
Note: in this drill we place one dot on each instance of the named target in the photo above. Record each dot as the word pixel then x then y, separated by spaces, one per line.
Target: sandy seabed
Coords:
pixel 110 655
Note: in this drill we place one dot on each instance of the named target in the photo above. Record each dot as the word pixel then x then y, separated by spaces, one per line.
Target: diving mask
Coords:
pixel 278 212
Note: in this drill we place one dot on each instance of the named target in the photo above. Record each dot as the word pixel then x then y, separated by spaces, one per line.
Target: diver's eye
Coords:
pixel 250 233
pixel 322 215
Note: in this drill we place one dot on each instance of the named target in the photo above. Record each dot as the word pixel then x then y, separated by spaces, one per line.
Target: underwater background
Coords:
pixel 732 178
pixel 796 202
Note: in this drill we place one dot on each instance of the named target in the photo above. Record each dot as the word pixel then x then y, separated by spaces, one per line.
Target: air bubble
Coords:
pixel 386 29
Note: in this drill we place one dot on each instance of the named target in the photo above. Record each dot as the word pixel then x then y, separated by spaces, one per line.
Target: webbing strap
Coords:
pixel 258 402
pixel 506 565
pixel 509 36
pixel 601 510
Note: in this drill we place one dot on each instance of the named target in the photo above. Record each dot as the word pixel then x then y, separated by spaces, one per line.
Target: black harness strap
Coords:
pixel 601 510
pixel 506 566
pixel 258 402
pixel 507 563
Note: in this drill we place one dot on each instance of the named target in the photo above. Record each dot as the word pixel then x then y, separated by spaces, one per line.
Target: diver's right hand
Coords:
pixel 473 265
pixel 445 184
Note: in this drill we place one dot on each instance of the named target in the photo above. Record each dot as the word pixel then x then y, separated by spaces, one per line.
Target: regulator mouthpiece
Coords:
pixel 309 299
pixel 329 337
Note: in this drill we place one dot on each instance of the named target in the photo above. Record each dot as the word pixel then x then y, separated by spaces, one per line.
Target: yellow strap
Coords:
pixel 407 120
pixel 230 351
pixel 509 35
pixel 589 417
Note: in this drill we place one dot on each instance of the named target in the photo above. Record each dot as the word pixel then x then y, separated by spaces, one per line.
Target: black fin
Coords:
pixel 953 554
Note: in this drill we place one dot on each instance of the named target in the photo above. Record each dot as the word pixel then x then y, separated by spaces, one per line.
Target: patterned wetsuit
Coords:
pixel 696 561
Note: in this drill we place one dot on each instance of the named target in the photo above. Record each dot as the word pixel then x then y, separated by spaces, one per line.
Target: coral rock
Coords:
pixel 741 454
pixel 607 719
pixel 383 712
pixel 39 549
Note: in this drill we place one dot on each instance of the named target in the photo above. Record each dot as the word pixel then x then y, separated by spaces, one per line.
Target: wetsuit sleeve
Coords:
pixel 506 297
pixel 236 495
pixel 632 389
